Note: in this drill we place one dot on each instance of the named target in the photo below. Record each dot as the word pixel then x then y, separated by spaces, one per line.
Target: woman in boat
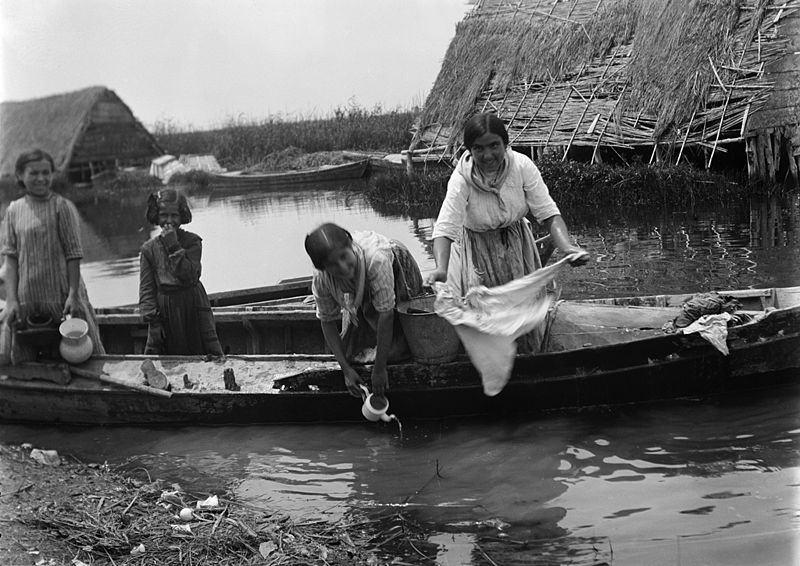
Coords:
pixel 359 279
pixel 43 252
pixel 172 300
pixel 489 195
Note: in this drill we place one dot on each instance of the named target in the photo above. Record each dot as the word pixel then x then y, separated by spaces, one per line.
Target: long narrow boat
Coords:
pixel 601 352
pixel 324 174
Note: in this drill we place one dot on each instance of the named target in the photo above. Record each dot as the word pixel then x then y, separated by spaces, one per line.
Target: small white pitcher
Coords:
pixel 369 409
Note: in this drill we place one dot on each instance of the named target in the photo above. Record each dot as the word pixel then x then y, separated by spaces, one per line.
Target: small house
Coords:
pixel 88 132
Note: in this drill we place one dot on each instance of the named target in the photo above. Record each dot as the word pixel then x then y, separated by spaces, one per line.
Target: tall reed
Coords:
pixel 245 143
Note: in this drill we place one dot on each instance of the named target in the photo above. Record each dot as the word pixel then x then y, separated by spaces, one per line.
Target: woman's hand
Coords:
pixel 73 306
pixel 352 381
pixel 582 259
pixel 10 312
pixel 437 274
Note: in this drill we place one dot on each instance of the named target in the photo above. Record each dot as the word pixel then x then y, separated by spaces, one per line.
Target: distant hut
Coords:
pixel 87 132
pixel 706 81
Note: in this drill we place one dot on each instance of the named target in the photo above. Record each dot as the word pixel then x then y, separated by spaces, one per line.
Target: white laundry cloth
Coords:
pixel 712 327
pixel 489 320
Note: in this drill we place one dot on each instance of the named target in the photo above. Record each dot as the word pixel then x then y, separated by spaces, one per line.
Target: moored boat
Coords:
pixel 324 174
pixel 602 352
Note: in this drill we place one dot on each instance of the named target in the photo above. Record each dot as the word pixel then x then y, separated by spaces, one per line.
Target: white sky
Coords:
pixel 199 62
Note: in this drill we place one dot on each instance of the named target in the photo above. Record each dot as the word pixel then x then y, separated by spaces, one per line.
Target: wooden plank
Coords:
pixel 767 149
pixel 105 378
pixel 57 373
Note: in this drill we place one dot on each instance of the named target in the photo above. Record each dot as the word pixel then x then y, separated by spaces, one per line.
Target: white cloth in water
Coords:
pixel 489 320
pixel 712 327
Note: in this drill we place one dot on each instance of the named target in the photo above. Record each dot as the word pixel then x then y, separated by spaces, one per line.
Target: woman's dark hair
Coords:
pixel 322 241
pixel 167 196
pixel 481 124
pixel 30 157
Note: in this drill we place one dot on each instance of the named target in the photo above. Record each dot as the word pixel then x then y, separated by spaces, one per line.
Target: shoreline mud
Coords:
pixel 55 510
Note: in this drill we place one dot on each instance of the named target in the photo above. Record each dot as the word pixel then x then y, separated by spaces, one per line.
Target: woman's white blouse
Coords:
pixel 468 206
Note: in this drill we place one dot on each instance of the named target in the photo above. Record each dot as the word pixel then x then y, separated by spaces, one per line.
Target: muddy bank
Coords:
pixel 57 511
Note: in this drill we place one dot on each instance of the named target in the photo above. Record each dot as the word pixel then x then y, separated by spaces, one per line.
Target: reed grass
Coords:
pixel 248 143
pixel 577 185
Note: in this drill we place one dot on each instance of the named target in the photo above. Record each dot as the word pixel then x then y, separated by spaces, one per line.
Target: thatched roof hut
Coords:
pixel 87 132
pixel 666 79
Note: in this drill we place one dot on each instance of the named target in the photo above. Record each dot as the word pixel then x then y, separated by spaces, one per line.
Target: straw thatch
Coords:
pixel 642 75
pixel 86 131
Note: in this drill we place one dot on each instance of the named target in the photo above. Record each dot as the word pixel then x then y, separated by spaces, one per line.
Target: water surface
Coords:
pixel 699 482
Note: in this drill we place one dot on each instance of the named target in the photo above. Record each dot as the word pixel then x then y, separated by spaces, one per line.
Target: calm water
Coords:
pixel 691 483
pixel 256 239
pixel 711 482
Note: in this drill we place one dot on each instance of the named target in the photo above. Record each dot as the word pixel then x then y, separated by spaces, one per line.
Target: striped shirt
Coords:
pixel 42 234
pixel 466 206
pixel 379 293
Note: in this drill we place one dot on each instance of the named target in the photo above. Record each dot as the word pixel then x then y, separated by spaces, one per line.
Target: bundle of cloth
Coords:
pixel 709 315
pixel 489 320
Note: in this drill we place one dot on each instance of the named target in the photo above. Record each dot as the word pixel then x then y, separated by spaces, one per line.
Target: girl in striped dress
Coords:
pixel 43 254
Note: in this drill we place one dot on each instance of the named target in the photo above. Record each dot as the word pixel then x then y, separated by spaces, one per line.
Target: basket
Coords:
pixel 431 339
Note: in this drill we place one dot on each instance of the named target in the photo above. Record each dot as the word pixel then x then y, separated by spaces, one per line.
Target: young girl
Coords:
pixel 359 279
pixel 171 298
pixel 42 250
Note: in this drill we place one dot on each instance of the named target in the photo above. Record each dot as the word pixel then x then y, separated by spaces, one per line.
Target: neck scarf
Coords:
pixel 470 170
pixel 349 304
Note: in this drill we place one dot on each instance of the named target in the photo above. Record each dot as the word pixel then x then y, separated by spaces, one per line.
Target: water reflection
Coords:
pixel 663 484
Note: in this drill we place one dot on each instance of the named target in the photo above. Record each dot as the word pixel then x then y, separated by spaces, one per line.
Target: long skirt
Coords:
pixel 493 258
pixel 361 339
pixel 186 324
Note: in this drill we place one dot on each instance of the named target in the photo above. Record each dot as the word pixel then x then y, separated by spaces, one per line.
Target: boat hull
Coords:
pixel 763 355
pixel 327 174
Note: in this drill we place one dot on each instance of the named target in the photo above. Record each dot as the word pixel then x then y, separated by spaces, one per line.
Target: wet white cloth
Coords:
pixel 489 320
pixel 712 327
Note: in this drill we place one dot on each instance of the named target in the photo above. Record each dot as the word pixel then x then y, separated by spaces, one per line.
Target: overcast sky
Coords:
pixel 200 62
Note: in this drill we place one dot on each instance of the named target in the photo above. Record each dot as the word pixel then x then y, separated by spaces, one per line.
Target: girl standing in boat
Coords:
pixel 359 280
pixel 172 300
pixel 43 252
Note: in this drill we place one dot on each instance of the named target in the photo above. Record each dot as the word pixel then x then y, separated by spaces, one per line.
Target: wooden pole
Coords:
pixel 119 381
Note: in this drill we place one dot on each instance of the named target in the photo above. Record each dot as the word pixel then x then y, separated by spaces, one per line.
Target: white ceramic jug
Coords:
pixel 373 407
pixel 76 346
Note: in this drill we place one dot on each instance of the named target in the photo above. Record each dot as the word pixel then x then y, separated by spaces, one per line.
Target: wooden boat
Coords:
pixel 607 352
pixel 284 289
pixel 324 174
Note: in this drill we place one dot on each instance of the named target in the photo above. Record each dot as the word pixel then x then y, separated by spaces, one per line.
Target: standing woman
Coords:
pixel 488 196
pixel 43 254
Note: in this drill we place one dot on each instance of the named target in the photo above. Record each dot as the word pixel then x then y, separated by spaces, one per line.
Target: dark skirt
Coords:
pixel 186 324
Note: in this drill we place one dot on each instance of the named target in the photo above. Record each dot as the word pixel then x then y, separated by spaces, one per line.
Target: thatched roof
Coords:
pixel 57 123
pixel 618 73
